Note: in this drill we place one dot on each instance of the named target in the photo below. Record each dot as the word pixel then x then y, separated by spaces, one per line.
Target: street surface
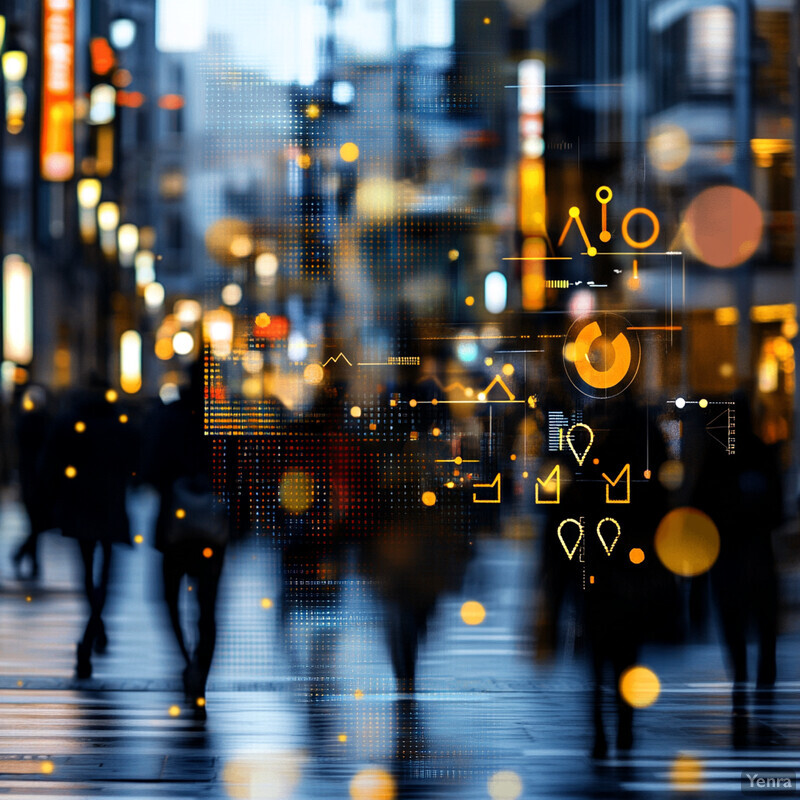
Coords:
pixel 327 730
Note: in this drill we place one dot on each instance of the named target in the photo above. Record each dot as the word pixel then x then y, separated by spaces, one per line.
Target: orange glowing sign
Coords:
pixel 57 151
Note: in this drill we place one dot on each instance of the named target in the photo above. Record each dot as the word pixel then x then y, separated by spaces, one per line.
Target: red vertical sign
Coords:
pixel 57 149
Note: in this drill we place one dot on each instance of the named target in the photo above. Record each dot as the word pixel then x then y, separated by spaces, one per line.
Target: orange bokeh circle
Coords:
pixel 723 226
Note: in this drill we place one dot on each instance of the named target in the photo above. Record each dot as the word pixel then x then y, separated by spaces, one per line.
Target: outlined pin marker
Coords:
pixel 580 458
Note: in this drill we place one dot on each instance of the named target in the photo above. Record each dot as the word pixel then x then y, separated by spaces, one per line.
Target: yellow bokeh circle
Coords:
pixel 687 542
pixel 429 498
pixel 372 784
pixel 639 687
pixel 313 374
pixel 473 613
pixel 349 151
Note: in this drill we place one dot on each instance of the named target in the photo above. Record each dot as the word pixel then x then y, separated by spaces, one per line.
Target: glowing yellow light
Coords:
pixel 372 784
pixel 428 499
pixel 201 701
pixel 241 246
pixel 469 300
pixel 296 492
pixel 703 403
pixel 207 552
pixel 80 426
pixel 687 541
pixel 17 309
pixel 343 737
pixel 262 319
pixel 639 687
pixel 138 539
pixel 355 412
pixel 123 418
pixel 28 599
pixel 487 21
pixel 180 513
pixel 163 349
pixel 304 161
pixel 488 361
pixel 130 361
pixel 436 432
pixel 111 396
pixel 349 151
pixel 15 65
pixel 183 343
pixel 266 602
pixel 453 254
pixel 525 474
pixel 313 374
pixel 513 456
pixel 47 767
pixel 312 111
pixel 668 147
pixel 508 370
pixel 358 694
pixel 89 190
pixel 505 785
pixel 686 772
pixel 108 216
pixel 473 613
pixel 70 472
pixel 636 555
pixel 174 711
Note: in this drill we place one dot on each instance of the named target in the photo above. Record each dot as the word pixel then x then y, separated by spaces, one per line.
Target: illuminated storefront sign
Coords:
pixel 58 90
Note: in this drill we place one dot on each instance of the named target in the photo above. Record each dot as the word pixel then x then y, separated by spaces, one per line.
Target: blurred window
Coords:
pixel 711 43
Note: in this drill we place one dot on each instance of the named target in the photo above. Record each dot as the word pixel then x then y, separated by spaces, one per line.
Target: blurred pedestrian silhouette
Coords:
pixel 32 421
pixel 599 555
pixel 89 459
pixel 742 493
pixel 192 527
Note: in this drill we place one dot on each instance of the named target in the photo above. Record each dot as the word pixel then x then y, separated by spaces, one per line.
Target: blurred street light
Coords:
pixel 144 264
pixel 128 243
pixel 130 361
pixel 17 310
pixel 122 33
pixel 154 295
pixel 107 220
pixel 89 191
pixel 15 65
pixel 101 104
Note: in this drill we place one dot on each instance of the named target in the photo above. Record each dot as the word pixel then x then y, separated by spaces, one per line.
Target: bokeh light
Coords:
pixel 505 785
pixel 473 613
pixel 372 784
pixel 639 686
pixel 687 541
pixel 723 226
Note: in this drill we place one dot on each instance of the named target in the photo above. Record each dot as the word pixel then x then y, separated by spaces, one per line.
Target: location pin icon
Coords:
pixel 580 458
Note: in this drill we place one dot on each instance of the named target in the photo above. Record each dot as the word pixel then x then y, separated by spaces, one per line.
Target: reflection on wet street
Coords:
pixel 484 720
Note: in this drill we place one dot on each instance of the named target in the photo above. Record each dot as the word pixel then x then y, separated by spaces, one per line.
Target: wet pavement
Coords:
pixel 486 721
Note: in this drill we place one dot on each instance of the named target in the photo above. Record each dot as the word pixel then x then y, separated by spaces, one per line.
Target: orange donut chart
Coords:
pixel 601 379
pixel 656 227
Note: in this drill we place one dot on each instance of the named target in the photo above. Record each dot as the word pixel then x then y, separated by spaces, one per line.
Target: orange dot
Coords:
pixel 595 461
pixel 262 319
pixel 513 456
pixel 70 472
pixel 180 513
pixel 412 403
pixel 207 552
pixel 470 301
pixel 80 427
pixel 636 555
pixel 429 498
